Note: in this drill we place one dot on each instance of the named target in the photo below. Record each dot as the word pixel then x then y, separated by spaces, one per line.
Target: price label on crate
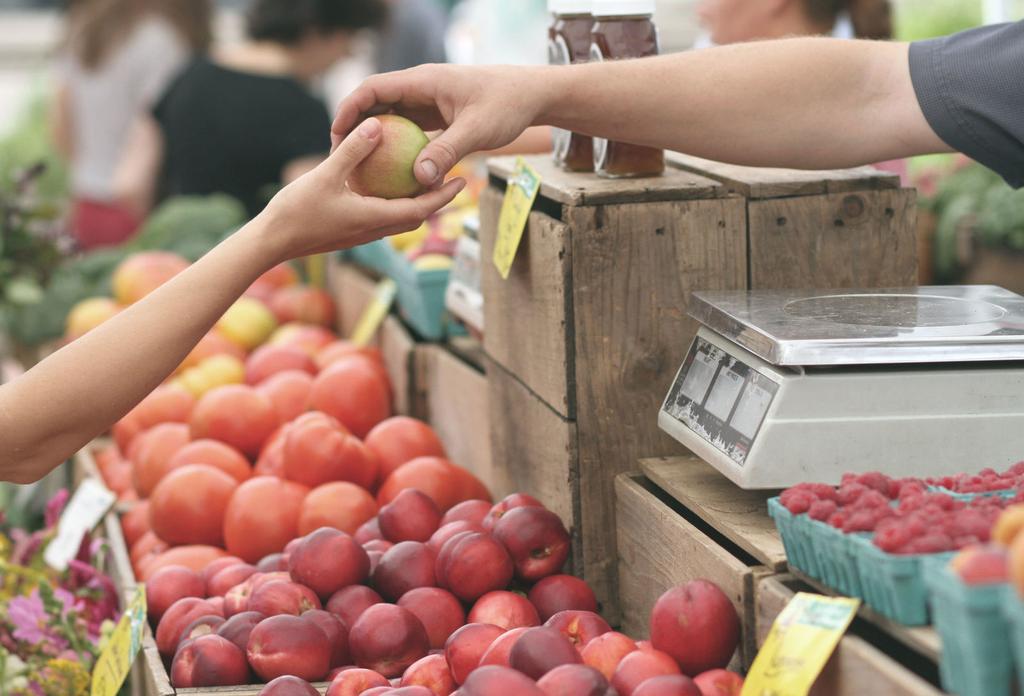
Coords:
pixel 799 645
pixel 515 209
pixel 115 660
pixel 373 315
pixel 85 509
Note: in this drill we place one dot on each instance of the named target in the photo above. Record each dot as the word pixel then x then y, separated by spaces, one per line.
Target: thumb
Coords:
pixel 444 152
pixel 356 146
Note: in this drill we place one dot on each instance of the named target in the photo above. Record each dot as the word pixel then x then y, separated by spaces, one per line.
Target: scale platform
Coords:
pixel 781 387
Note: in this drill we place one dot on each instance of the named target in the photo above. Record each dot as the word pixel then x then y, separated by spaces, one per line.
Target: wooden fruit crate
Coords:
pixel 589 329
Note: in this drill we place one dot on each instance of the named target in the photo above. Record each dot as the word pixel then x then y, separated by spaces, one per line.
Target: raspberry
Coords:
pixel 934 542
pixel 799 502
pixel 860 521
pixel 877 480
pixel 871 499
pixel 850 492
pixel 821 510
pixel 822 490
pixel 910 487
pixel 837 519
pixel 891 538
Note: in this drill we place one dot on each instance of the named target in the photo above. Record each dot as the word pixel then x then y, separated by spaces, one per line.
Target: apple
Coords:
pixel 467 646
pixel 637 667
pixel 432 673
pixel 411 516
pixel 506 609
pixel 697 625
pixel 539 650
pixel 328 560
pixel 536 540
pixel 578 680
pixel 388 639
pixel 282 598
pixel 580 627
pixel 438 610
pixel 719 682
pixel 501 648
pixel 404 567
pixel 356 682
pixel 287 685
pixel 499 681
pixel 507 503
pixel 238 628
pixel 669 685
pixel 557 593
pixel 350 602
pixel 387 172
pixel 287 644
pixel 605 652
pixel 209 660
pixel 337 634
pixel 471 564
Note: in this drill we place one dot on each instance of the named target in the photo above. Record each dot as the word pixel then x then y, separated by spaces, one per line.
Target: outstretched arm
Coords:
pixel 805 103
pixel 77 393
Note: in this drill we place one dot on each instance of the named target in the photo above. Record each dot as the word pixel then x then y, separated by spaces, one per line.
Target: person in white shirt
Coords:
pixel 118 57
pixel 736 21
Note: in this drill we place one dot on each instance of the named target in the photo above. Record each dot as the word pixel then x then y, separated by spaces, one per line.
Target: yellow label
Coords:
pixel 375 312
pixel 115 661
pixel 515 209
pixel 799 645
pixel 316 269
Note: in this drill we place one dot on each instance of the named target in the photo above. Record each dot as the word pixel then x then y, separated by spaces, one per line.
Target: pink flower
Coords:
pixel 28 617
pixel 55 507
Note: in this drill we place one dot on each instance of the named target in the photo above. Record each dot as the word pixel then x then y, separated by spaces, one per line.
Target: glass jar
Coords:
pixel 624 29
pixel 569 42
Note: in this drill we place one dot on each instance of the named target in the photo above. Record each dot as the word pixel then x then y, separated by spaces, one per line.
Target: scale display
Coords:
pixel 721 399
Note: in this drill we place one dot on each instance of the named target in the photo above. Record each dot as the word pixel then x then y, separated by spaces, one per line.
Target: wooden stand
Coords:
pixel 588 331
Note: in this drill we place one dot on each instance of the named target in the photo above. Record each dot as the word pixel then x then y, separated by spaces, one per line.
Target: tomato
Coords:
pixel 289 392
pixel 269 360
pixel 148 547
pixel 446 483
pixel 262 516
pixel 353 391
pixel 215 454
pixel 152 459
pixel 318 449
pixel 271 459
pixel 237 415
pixel 336 350
pixel 165 404
pixel 303 304
pixel 213 343
pixel 400 439
pixel 187 506
pixel 135 523
pixel 339 504
pixel 194 557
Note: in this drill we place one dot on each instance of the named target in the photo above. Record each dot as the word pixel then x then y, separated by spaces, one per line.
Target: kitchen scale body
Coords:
pixel 780 387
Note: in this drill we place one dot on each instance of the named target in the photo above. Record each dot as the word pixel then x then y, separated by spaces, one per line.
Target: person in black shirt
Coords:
pixel 243 121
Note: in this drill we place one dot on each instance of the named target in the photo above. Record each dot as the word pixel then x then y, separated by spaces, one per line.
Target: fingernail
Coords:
pixel 369 128
pixel 428 171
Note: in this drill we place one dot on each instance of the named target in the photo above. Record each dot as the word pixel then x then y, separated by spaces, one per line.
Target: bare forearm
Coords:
pixel 802 103
pixel 74 395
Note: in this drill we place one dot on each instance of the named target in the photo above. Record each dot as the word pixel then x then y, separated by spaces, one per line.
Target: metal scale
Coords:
pixel 781 387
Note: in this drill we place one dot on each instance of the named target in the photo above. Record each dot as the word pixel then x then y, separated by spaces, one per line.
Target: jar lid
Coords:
pixel 570 7
pixel 622 8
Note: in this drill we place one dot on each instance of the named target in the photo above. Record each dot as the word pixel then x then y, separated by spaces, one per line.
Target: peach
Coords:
pixel 578 680
pixel 387 639
pixel 287 644
pixel 203 626
pixel 272 562
pixel 432 673
pixel 472 511
pixel 464 649
pixel 499 681
pixel 288 391
pixel 639 666
pixel 580 627
pixel 238 627
pixel 339 504
pixel 282 597
pixel 670 685
pixel 404 567
pixel 288 685
pixel 304 304
pixel 356 682
pixel 88 314
pixel 506 609
pixel 539 650
pixel 411 516
pixel 605 652
pixel 471 564
pixel 536 540
pixel 168 585
pixel 557 593
pixel 143 272
pixel 368 531
pixel 718 682
pixel 501 648
pixel 1008 525
pixel 135 522
pixel 697 625
pixel 438 610
pixel 981 565
pixel 267 361
pixel 337 634
pixel 209 660
pixel 510 502
pixel 350 602
pixel 388 171
pixel 177 617
pixel 328 560
pixel 447 531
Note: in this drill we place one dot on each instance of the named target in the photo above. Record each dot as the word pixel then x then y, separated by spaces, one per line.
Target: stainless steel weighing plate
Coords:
pixel 927 324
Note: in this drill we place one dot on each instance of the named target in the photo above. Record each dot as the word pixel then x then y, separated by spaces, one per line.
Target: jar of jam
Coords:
pixel 624 29
pixel 569 42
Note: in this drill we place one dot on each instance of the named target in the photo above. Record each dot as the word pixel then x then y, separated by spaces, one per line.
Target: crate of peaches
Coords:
pixel 869 536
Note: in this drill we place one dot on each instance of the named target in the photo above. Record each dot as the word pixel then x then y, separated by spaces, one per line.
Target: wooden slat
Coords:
pixel 841 240
pixel 527 315
pixel 856 668
pixel 396 347
pixel 576 189
pixel 739 515
pixel 633 269
pixel 352 290
pixel 454 397
pixel 660 549
pixel 766 182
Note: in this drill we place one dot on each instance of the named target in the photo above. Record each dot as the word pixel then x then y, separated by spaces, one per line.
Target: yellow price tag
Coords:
pixel 375 312
pixel 515 209
pixel 115 661
pixel 316 269
pixel 799 645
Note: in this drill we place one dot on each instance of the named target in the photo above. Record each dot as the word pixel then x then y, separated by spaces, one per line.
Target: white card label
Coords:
pixel 83 512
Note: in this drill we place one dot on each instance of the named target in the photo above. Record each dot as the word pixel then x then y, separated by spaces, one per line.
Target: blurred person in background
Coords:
pixel 413 35
pixel 244 120
pixel 117 58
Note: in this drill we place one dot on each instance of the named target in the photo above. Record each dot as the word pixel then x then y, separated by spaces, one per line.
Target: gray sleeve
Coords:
pixel 971 88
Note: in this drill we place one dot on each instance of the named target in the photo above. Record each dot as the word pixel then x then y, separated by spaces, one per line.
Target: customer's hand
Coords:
pixel 478 108
pixel 318 212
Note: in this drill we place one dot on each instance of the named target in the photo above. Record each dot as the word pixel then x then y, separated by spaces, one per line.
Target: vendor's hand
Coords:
pixel 317 212
pixel 479 108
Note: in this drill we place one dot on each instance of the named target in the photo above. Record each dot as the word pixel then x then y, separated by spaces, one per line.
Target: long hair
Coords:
pixel 96 27
pixel 872 19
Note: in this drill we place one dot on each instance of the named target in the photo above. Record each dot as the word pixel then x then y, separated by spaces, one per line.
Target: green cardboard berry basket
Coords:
pixel 817 549
pixel 420 299
pixel 796 539
pixel 1013 612
pixel 376 255
pixel 893 584
pixel 977 660
pixel 1006 494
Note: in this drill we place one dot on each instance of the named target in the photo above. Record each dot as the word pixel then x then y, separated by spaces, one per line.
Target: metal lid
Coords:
pixel 622 8
pixel 957 323
pixel 570 7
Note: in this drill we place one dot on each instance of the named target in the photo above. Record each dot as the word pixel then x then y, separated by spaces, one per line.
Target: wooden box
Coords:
pixel 589 329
